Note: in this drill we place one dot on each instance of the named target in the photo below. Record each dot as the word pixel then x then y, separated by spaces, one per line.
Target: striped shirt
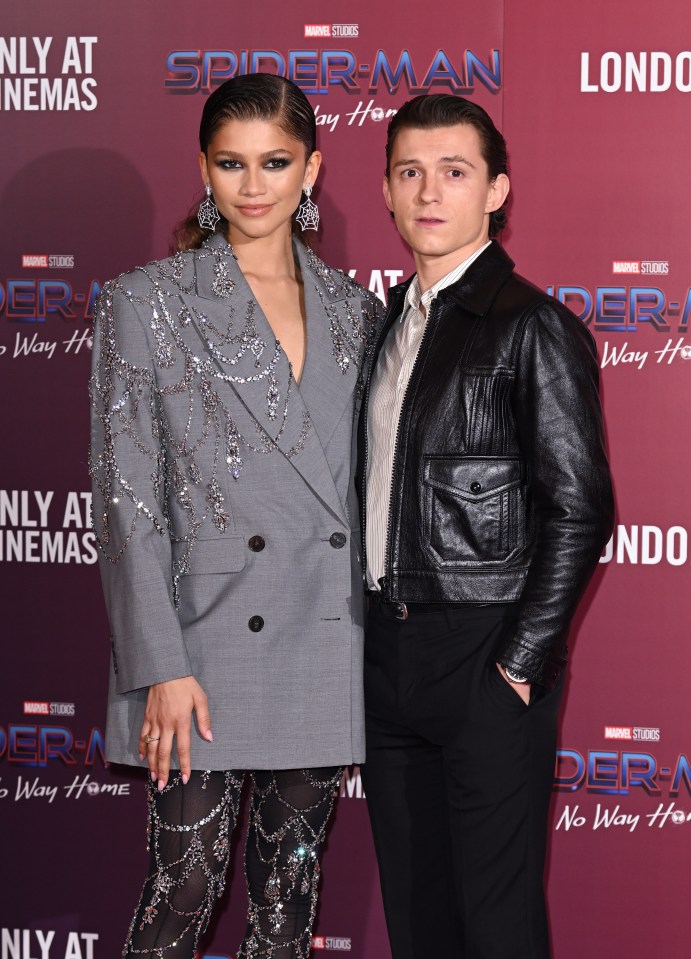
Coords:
pixel 389 383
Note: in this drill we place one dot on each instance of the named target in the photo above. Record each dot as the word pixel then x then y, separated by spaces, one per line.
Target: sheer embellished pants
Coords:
pixel 189 842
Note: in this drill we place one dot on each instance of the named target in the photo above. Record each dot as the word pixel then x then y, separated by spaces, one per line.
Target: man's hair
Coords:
pixel 444 110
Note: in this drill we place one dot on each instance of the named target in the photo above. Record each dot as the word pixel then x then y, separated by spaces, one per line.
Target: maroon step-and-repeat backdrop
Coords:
pixel 99 109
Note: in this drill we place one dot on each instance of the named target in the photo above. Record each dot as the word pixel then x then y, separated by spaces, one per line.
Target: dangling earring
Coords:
pixel 308 212
pixel 208 214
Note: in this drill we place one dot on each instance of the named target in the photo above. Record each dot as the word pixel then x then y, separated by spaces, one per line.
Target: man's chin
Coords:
pixel 426 246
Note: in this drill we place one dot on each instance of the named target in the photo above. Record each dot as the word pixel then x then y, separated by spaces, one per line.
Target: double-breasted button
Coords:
pixel 476 487
pixel 338 540
pixel 256 543
pixel 256 624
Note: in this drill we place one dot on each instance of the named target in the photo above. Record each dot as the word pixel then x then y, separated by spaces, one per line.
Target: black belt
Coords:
pixel 403 611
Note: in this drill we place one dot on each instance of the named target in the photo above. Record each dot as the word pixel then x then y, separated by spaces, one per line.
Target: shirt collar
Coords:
pixel 415 299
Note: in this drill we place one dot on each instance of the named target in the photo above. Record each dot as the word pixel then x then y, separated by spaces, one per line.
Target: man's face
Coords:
pixel 440 193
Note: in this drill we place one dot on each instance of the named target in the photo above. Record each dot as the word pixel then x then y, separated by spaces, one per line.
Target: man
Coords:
pixel 486 503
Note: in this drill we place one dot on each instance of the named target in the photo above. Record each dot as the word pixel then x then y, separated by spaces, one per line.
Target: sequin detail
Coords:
pixel 166 898
pixel 289 853
pixel 289 814
pixel 348 339
pixel 143 469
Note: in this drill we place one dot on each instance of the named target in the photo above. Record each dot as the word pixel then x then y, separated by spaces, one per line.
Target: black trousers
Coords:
pixel 458 779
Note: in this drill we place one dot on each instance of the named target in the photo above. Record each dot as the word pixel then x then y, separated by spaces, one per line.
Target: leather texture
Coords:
pixel 501 488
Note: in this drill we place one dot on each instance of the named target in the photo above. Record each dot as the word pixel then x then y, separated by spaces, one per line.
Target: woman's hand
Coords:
pixel 168 715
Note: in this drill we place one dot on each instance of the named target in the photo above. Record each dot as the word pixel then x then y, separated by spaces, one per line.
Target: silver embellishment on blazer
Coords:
pixel 127 400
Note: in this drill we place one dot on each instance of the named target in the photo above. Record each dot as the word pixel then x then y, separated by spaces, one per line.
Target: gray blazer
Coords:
pixel 229 536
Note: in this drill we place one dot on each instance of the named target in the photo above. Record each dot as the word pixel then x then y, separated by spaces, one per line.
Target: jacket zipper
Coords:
pixel 385 581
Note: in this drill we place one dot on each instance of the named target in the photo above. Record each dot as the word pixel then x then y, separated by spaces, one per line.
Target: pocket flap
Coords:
pixel 472 477
pixel 222 554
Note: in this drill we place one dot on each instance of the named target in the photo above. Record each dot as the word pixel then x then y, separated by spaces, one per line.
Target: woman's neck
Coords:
pixel 267 256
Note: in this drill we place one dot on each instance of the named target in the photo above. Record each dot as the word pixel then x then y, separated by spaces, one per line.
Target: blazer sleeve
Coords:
pixel 561 434
pixel 127 465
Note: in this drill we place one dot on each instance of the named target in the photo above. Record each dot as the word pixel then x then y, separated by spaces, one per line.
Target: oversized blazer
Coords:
pixel 229 537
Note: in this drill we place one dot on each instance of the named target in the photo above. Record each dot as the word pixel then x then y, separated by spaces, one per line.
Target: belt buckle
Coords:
pixel 399 610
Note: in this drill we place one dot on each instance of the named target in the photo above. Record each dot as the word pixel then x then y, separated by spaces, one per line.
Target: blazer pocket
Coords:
pixel 474 512
pixel 222 554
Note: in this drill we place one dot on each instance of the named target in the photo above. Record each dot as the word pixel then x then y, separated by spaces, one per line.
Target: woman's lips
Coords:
pixel 254 210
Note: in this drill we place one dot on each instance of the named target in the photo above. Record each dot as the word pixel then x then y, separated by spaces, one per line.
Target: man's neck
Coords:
pixel 431 269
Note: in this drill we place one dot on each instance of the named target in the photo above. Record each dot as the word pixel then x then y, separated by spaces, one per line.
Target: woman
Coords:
pixel 223 395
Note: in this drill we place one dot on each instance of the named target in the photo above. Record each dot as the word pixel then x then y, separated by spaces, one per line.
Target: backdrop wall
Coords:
pixel 99 111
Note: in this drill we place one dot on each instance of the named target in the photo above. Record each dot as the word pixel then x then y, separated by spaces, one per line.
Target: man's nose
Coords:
pixel 429 191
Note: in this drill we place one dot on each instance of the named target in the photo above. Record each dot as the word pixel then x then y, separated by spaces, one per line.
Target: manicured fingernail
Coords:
pixel 185 778
pixel 161 784
pixel 208 737
pixel 152 773
pixel 141 757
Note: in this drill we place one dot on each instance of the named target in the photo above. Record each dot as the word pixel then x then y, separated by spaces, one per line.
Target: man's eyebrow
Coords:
pixel 458 158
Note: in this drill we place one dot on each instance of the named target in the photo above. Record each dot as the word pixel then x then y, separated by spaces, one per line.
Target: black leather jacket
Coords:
pixel 501 490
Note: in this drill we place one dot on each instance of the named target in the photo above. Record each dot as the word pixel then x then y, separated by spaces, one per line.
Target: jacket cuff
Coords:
pixel 531 663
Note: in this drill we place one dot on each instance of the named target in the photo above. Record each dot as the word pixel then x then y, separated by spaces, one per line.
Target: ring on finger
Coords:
pixel 151 739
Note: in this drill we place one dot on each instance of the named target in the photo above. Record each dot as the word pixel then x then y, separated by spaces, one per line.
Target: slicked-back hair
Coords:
pixel 252 96
pixel 260 96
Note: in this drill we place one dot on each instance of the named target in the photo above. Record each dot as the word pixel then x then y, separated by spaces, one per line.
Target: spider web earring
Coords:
pixel 208 214
pixel 308 212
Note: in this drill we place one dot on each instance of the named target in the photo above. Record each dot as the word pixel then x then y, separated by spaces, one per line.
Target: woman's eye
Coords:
pixel 228 165
pixel 278 163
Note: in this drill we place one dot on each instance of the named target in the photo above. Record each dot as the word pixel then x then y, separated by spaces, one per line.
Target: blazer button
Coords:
pixel 256 543
pixel 338 540
pixel 256 624
pixel 476 487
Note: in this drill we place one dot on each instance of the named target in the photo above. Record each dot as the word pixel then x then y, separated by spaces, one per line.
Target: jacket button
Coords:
pixel 256 624
pixel 338 540
pixel 256 543
pixel 476 487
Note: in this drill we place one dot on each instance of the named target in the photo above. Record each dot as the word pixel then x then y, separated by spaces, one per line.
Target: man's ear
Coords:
pixel 498 191
pixel 386 189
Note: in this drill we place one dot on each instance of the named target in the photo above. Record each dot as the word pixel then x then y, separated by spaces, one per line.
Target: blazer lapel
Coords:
pixel 330 371
pixel 242 346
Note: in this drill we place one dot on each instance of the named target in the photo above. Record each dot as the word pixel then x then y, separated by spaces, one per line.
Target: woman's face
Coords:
pixel 257 173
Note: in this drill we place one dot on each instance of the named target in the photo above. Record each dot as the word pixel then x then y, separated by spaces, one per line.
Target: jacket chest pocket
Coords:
pixel 474 509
